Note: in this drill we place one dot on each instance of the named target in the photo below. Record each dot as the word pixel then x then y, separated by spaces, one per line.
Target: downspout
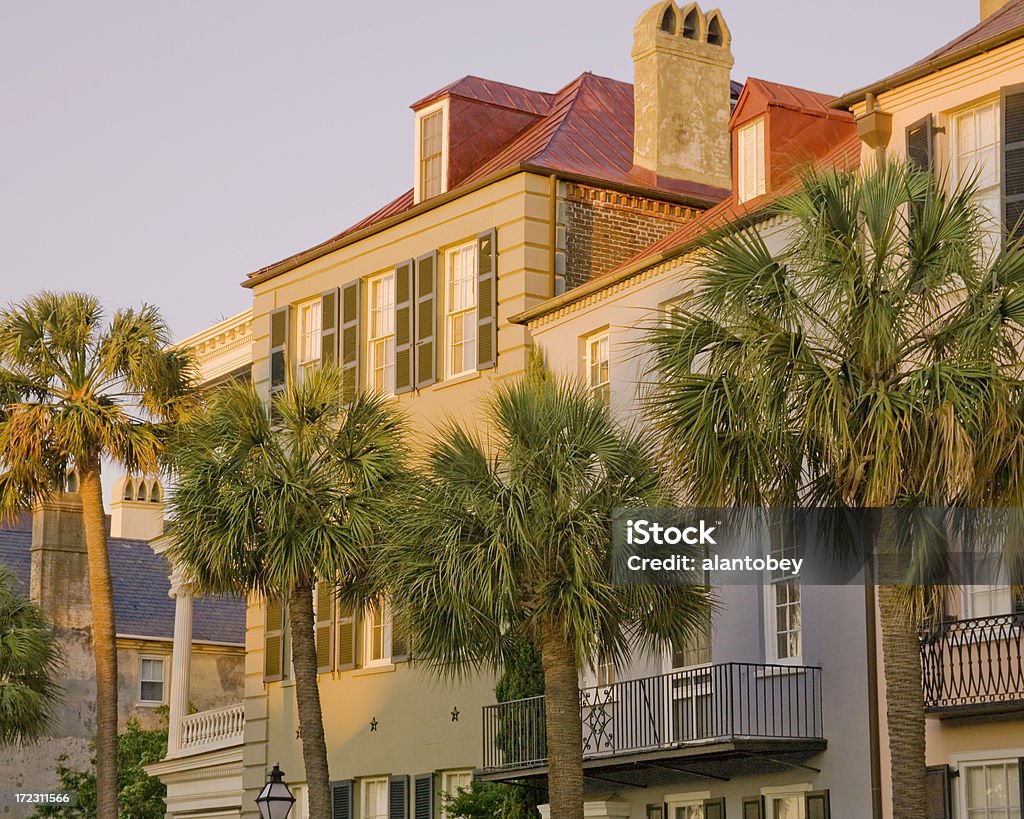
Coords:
pixel 874 732
pixel 553 231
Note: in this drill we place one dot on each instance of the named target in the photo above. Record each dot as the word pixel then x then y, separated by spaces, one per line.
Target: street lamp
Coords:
pixel 275 800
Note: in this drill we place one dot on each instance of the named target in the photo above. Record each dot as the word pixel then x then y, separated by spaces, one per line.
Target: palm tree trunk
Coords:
pixel 104 643
pixel 307 695
pixel 564 724
pixel 901 656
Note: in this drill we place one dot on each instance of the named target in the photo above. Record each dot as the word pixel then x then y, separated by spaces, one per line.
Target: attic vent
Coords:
pixel 668 21
pixel 714 32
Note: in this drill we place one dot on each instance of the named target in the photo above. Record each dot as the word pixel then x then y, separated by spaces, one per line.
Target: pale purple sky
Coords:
pixel 158 152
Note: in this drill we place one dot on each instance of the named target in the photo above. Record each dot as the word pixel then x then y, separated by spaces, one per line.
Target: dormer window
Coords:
pixel 750 164
pixel 431 156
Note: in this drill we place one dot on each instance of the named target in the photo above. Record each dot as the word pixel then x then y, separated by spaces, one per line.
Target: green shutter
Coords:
pixel 348 631
pixel 279 327
pixel 403 326
pixel 423 796
pixel 398 797
pixel 324 628
pixel 351 309
pixel 341 799
pixel 273 640
pixel 936 790
pixel 714 808
pixel 487 299
pixel 329 327
pixel 428 336
pixel 753 807
pixel 400 650
pixel 919 144
pixel 816 805
pixel 1012 170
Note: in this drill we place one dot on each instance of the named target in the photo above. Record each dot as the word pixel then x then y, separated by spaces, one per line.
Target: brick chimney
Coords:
pixel 990 7
pixel 137 507
pixel 681 63
pixel 59 580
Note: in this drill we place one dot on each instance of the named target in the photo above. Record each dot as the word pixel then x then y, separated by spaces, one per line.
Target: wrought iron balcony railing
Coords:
pixel 973 665
pixel 696 707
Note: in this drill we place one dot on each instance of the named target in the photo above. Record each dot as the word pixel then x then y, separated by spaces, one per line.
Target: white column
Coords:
pixel 181 661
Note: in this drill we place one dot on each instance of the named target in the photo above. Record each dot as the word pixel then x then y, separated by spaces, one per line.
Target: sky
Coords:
pixel 159 152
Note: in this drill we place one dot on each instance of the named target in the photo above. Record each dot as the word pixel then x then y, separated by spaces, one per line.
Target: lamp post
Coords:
pixel 275 800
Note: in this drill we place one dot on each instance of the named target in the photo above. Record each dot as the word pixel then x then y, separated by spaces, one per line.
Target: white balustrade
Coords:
pixel 217 728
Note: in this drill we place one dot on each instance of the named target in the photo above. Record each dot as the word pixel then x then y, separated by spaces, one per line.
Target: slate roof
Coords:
pixel 585 129
pixel 998 28
pixel 142 605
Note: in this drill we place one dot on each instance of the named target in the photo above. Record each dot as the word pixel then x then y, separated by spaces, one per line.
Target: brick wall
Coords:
pixel 599 229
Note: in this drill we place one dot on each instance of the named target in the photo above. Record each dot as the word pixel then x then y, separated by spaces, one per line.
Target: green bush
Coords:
pixel 139 796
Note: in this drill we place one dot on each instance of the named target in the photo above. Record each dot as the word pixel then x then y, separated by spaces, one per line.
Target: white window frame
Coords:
pixel 370 624
pixel 465 314
pixel 448 789
pixel 693 799
pixel 592 362
pixel 771 634
pixel 773 792
pixel 304 336
pixel 364 794
pixel 442 106
pixel 381 333
pixel 751 182
pixel 961 166
pixel 605 674
pixel 972 759
pixel 162 659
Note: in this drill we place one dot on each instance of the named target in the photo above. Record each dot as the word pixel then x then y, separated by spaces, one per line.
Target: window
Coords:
pixel 686 805
pixel 991 790
pixel 788 806
pixel 431 153
pixel 151 679
pixel 460 324
pixel 715 32
pixel 452 782
pixel 750 160
pixel 988 601
pixel 975 148
pixel 605 674
pixel 377 636
pixel 690 25
pixel 668 21
pixel 309 334
pixel 696 650
pixel 598 365
pixel 375 799
pixel 782 610
pixel 382 333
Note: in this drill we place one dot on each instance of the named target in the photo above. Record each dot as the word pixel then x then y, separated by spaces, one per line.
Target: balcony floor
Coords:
pixel 691 755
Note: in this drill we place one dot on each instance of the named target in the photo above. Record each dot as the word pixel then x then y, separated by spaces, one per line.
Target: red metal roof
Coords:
pixel 1009 17
pixel 785 96
pixel 1000 27
pixel 586 130
pixel 493 93
pixel 844 156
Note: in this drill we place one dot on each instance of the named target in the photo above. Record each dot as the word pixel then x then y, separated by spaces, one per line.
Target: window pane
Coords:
pixel 152 691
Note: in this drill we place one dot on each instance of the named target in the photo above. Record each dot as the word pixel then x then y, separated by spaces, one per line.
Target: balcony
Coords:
pixel 711 713
pixel 973 667
pixel 209 730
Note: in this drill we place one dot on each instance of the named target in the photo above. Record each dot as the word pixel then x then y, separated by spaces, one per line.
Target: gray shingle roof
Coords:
pixel 142 605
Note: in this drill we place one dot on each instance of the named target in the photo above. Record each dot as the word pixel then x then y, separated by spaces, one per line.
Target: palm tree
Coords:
pixel 269 502
pixel 74 392
pixel 506 540
pixel 30 659
pixel 872 361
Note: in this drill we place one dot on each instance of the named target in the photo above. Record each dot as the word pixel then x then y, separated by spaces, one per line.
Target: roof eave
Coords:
pixel 306 256
pixel 924 69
